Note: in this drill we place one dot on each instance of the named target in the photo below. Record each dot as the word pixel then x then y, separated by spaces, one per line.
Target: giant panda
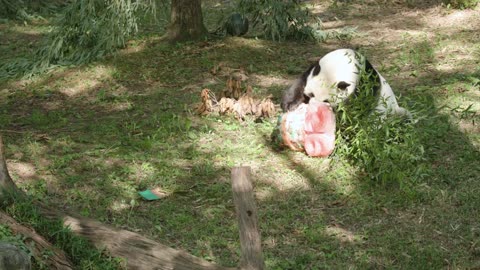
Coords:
pixel 337 77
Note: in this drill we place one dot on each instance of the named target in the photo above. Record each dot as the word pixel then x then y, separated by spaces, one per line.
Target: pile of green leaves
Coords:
pixel 84 31
pixel 388 150
pixel 279 20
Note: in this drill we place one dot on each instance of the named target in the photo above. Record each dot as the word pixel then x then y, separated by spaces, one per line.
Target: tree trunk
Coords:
pixel 186 21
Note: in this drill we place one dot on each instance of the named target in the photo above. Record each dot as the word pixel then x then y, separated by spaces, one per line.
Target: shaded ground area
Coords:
pixel 88 138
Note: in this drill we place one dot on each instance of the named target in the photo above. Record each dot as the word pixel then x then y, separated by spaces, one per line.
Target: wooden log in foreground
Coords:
pixel 140 252
pixel 244 201
pixel 56 259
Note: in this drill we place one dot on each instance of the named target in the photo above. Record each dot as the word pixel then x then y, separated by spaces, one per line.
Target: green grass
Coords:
pixel 98 134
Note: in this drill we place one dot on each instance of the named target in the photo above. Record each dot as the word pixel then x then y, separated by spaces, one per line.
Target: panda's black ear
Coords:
pixel 316 69
pixel 343 85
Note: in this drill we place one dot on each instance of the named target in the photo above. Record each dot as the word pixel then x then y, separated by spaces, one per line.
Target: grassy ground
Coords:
pixel 88 138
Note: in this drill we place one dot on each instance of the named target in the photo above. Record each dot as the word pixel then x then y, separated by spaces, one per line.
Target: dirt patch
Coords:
pixel 386 23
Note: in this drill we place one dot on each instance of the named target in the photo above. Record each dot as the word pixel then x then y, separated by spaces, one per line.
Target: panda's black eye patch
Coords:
pixel 343 85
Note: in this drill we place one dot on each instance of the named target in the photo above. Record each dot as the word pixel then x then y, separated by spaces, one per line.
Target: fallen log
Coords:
pixel 56 259
pixel 139 252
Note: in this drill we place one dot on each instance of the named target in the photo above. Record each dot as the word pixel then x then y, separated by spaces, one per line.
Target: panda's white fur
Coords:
pixel 335 78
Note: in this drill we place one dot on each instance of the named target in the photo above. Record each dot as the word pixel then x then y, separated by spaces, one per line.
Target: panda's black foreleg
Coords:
pixel 294 96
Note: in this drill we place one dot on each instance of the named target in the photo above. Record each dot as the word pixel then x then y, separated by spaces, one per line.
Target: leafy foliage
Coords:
pixel 279 20
pixel 11 9
pixel 25 9
pixel 462 3
pixel 387 149
pixel 85 30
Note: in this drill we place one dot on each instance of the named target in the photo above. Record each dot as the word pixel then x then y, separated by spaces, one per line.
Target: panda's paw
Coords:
pixel 403 112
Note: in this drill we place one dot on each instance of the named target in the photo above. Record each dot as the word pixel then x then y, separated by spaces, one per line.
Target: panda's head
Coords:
pixel 334 78
pixel 330 91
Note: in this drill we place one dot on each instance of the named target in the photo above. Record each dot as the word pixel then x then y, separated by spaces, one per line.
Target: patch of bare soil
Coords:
pixel 383 23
